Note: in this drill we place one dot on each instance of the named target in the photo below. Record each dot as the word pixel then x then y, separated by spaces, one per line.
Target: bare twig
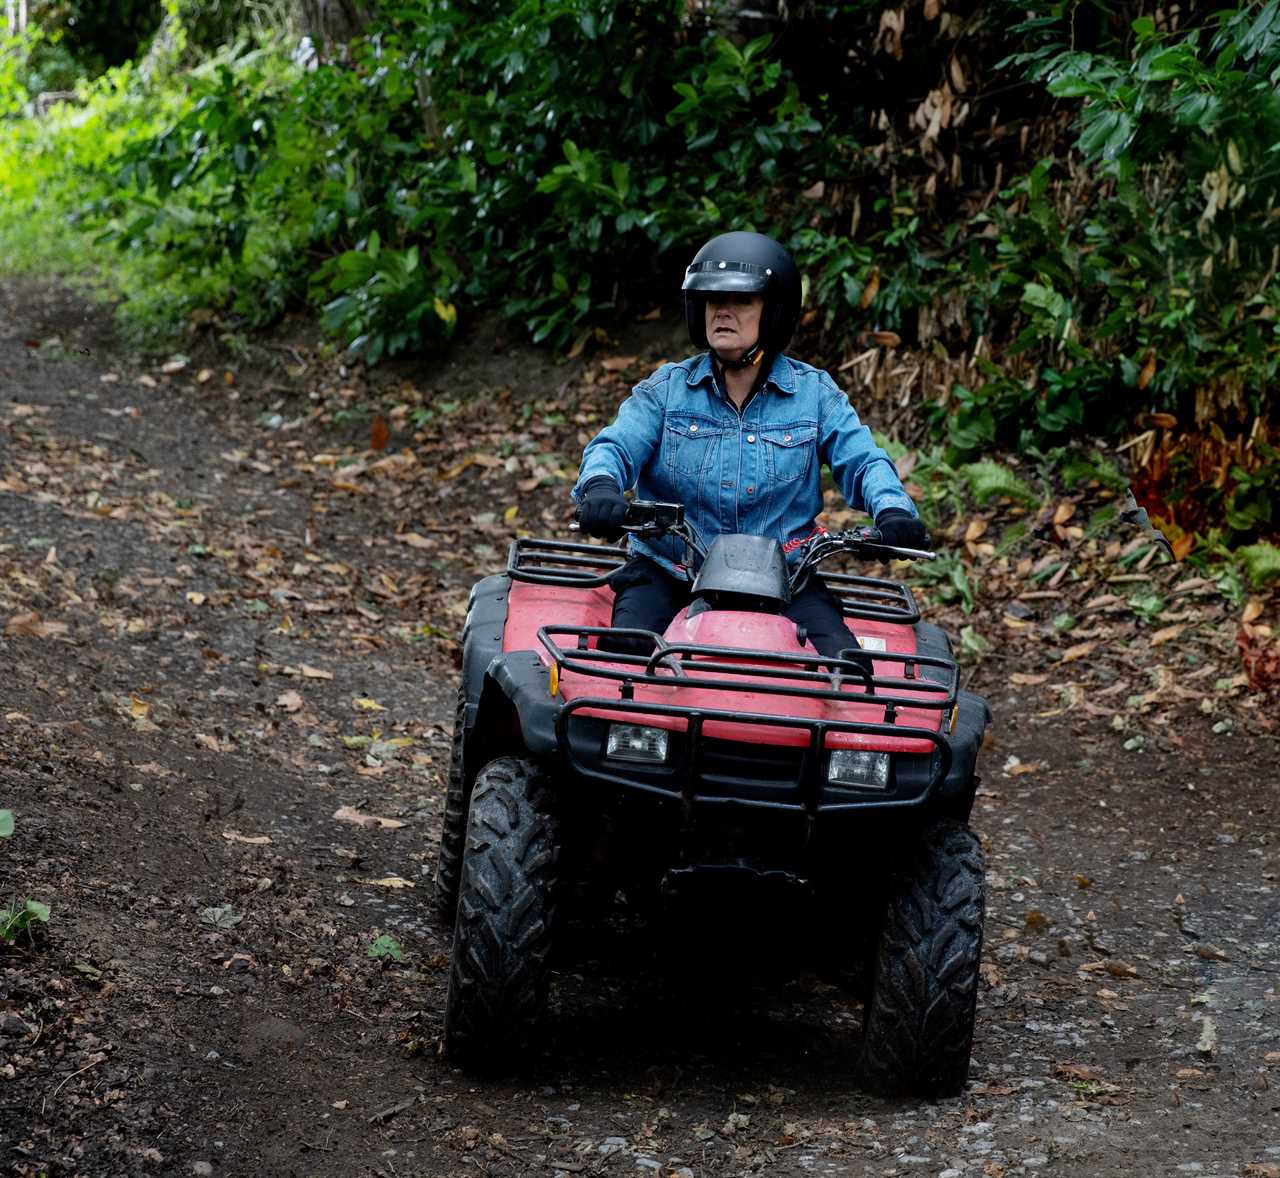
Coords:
pixel 64 1083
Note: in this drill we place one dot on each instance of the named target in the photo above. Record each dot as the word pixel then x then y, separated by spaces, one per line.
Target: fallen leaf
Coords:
pixel 306 672
pixel 617 363
pixel 1168 633
pixel 389 881
pixel 1013 767
pixel 29 625
pixel 379 433
pixel 196 598
pixel 1211 953
pixel 1063 512
pixel 155 768
pixel 1079 651
pixel 1037 919
pixel 176 364
pixel 257 840
pixel 365 704
pixel 1083 881
pixel 212 743
pixel 1252 611
pixel 351 814
pixel 886 339
pixel 221 916
pixel 291 701
pixel 415 541
pixel 1117 969
pixel 1022 679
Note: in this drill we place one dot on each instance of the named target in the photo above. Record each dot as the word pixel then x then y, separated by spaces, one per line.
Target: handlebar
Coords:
pixel 649 518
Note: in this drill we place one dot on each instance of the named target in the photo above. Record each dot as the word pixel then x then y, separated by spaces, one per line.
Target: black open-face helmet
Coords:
pixel 747 263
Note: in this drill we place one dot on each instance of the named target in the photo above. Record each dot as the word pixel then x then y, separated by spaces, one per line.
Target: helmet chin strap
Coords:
pixel 749 359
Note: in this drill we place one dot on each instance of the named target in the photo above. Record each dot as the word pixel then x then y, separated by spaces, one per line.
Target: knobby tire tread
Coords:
pixel 453 830
pixel 918 1024
pixel 502 936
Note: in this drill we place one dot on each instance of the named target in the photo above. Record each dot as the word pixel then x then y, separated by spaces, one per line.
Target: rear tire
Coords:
pixel 506 909
pixel 453 832
pixel 918 1023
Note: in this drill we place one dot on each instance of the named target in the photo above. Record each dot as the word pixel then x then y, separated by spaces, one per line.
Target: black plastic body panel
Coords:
pixel 744 566
pixel 482 634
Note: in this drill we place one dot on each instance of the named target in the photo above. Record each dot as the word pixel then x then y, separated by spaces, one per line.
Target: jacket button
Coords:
pixel 786 437
pixel 751 437
pixel 751 490
pixel 693 429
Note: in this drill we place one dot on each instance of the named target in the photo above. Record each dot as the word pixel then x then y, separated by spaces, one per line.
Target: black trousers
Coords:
pixel 647 597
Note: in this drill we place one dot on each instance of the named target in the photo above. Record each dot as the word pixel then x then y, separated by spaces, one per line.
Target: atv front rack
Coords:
pixel 561 562
pixel 933 681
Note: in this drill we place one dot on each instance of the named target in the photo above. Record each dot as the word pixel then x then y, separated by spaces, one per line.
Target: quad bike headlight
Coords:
pixel 632 742
pixel 857 767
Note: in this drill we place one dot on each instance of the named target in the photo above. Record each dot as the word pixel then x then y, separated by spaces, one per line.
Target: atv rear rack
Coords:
pixel 585 566
pixel 873 598
pixel 561 562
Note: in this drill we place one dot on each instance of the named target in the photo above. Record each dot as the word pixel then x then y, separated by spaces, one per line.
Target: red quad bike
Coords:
pixel 730 751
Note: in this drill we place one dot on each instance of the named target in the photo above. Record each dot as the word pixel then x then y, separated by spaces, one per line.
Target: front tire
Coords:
pixel 506 910
pixel 453 831
pixel 918 1023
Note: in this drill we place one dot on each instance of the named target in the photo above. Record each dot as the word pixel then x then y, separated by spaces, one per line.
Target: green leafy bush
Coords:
pixel 559 160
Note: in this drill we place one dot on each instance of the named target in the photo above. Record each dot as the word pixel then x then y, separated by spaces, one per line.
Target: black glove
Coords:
pixel 602 509
pixel 901 529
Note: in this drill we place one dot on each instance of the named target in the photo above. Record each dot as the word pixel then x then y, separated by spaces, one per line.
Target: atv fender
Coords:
pixel 508 694
pixel 482 637
pixel 522 678
pixel 973 718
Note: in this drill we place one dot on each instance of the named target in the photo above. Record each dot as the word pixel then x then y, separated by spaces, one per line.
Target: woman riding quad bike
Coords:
pixel 703 711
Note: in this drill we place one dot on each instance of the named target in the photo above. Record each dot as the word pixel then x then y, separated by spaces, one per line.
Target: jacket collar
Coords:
pixel 781 374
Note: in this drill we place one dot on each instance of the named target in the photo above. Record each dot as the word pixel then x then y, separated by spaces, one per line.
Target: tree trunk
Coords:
pixel 330 23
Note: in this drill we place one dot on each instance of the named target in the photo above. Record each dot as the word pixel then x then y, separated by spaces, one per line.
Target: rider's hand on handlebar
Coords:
pixel 603 509
pixel 901 529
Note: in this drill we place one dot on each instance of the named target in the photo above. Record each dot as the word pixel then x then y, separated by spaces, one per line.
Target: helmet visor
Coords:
pixel 740 277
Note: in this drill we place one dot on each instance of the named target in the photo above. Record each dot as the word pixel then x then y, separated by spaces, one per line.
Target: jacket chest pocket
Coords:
pixel 789 453
pixel 691 446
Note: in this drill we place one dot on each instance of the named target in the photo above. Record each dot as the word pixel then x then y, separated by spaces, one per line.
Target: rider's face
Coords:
pixel 733 323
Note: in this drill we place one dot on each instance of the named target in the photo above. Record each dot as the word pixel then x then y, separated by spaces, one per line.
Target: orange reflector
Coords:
pixel 555 678
pixel 955 712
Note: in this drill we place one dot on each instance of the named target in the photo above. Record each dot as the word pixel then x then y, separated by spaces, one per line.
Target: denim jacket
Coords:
pixel 678 438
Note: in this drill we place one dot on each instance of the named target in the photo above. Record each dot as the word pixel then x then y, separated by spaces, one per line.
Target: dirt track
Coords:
pixel 219 637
